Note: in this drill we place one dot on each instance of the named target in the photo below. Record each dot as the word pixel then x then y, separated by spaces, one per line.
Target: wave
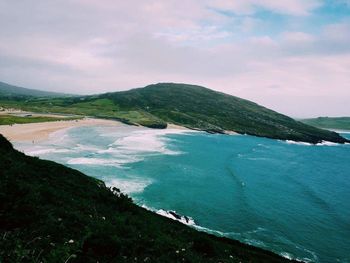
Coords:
pixel 175 216
pixel 327 143
pixel 98 161
pixel 298 143
pixel 323 143
pixel 172 215
pixel 129 185
pixel 291 257
pixel 146 141
pixel 43 151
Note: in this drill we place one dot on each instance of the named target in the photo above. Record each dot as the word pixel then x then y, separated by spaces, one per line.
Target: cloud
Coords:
pixel 96 46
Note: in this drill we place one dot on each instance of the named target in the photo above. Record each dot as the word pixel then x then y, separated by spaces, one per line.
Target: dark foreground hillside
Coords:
pixel 51 213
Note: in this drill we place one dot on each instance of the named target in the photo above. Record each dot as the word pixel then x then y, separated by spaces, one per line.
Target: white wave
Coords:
pixel 254 242
pixel 96 161
pixel 327 143
pixel 146 141
pixel 254 231
pixel 130 185
pixel 298 143
pixel 173 215
pixel 286 255
pixel 263 146
pixel 323 143
pixel 257 158
pixel 44 151
pixel 190 222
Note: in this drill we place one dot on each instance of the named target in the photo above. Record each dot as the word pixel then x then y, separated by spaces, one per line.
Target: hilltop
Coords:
pixel 188 105
pixel 51 213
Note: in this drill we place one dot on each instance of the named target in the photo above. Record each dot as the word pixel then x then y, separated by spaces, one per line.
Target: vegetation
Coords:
pixel 192 106
pixel 340 123
pixel 86 106
pixel 12 119
pixel 51 213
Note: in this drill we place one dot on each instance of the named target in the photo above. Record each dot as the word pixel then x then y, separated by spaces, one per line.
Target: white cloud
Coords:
pixel 111 45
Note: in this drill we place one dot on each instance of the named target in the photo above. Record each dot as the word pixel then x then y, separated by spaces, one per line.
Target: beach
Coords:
pixel 41 131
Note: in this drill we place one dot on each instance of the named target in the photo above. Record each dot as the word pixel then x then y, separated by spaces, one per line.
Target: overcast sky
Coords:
pixel 290 55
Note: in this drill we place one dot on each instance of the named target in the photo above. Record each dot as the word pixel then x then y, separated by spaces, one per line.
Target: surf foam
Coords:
pixel 129 185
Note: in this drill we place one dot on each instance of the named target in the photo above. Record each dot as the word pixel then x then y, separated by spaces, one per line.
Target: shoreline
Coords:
pixel 41 130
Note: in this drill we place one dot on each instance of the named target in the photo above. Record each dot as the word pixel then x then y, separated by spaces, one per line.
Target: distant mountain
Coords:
pixel 336 123
pixel 51 213
pixel 192 106
pixel 7 90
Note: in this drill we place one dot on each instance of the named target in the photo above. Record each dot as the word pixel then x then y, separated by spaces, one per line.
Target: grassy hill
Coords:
pixel 10 91
pixel 336 123
pixel 192 106
pixel 205 109
pixel 51 213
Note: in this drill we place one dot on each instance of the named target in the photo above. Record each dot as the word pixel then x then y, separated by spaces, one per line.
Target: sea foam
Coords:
pixel 323 143
pixel 146 141
pixel 43 151
pixel 129 185
pixel 298 143
pixel 173 215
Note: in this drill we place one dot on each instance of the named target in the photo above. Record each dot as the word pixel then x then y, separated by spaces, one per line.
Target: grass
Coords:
pixel 51 213
pixel 11 119
pixel 94 107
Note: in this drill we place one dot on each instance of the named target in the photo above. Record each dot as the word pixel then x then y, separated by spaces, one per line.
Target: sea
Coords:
pixel 288 197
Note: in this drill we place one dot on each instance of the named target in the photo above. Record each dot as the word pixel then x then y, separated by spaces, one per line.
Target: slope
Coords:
pixel 205 109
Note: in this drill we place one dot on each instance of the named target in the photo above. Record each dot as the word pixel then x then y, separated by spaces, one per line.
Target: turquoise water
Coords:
pixel 292 199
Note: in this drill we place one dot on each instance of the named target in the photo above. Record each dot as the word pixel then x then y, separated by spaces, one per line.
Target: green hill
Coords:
pixel 10 91
pixel 336 123
pixel 192 106
pixel 51 213
pixel 205 109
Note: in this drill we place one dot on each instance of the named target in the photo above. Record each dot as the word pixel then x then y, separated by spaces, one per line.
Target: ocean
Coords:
pixel 290 198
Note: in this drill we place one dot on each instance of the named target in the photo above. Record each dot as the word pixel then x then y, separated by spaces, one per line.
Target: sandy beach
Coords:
pixel 41 131
pixel 175 126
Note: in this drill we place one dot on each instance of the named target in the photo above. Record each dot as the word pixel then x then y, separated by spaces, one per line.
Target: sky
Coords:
pixel 292 56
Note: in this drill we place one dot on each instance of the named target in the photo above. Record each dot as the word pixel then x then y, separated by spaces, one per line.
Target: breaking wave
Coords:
pixel 129 185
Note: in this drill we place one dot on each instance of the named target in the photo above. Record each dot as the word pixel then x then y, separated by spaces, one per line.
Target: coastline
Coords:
pixel 41 130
